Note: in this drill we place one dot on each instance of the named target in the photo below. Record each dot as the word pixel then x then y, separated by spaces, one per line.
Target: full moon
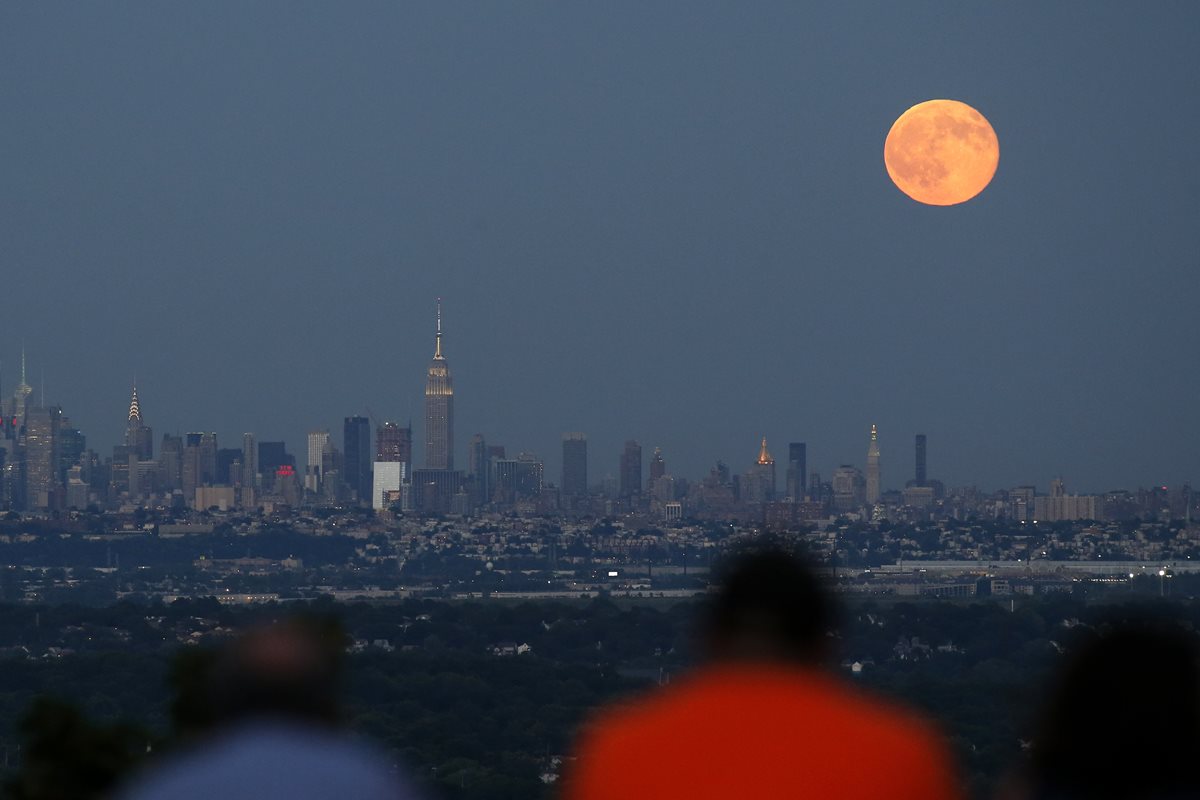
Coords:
pixel 941 152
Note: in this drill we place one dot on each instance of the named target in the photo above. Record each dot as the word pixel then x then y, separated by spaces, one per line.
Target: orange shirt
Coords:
pixel 760 731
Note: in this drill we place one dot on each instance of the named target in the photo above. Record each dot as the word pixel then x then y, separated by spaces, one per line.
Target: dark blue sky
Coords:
pixel 665 221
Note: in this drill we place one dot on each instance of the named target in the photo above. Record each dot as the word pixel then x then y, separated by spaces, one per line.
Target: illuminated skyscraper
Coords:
pixel 759 483
pixel 439 407
pixel 139 437
pixel 318 450
pixel 41 456
pixel 873 468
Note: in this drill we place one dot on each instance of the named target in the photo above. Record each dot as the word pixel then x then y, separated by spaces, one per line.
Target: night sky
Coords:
pixel 661 221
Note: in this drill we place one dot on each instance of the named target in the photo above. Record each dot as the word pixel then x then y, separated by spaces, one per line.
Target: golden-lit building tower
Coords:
pixel 873 468
pixel 439 407
pixel 759 484
pixel 766 466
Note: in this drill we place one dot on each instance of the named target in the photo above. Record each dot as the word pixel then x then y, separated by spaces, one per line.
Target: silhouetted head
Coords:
pixel 770 606
pixel 1125 718
pixel 287 670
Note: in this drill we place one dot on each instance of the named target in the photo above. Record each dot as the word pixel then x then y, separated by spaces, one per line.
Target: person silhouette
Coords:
pixel 273 697
pixel 763 717
pixel 1123 719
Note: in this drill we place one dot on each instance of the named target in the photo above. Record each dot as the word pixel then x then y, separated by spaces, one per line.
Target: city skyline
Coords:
pixel 896 469
pixel 669 223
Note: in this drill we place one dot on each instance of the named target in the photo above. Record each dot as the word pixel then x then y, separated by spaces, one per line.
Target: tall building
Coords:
pixel 519 478
pixel 631 470
pixel 873 468
pixel 41 456
pixel 20 399
pixel 574 465
pixel 170 463
pixel 387 481
pixel 199 467
pixel 318 450
pixel 272 457
pixel 759 484
pixel 434 489
pixel 138 435
pixel 1062 506
pixel 439 407
pixel 249 461
pixel 658 468
pixel 849 488
pixel 393 443
pixel 797 471
pixel 71 446
pixel 208 457
pixel 920 451
pixel 479 471
pixel 356 448
pixel 229 466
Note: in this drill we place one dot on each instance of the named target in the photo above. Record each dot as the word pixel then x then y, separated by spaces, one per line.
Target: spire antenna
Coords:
pixel 438 348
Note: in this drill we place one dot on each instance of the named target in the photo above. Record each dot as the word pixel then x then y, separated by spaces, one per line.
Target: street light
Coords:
pixel 1162 577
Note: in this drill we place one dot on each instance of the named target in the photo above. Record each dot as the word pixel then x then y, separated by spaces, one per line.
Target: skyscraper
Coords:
pixel 759 484
pixel 139 436
pixel 439 407
pixel 519 478
pixel 170 463
pixel 479 471
pixel 21 396
pixel 631 470
pixel 272 456
pixel 658 468
pixel 574 465
pixel 249 461
pixel 356 445
pixel 41 456
pixel 797 471
pixel 393 443
pixel 199 467
pixel 920 450
pixel 873 468
pixel 318 449
pixel 849 493
pixel 229 466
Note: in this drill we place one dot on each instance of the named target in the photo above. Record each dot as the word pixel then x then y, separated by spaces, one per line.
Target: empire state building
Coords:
pixel 439 407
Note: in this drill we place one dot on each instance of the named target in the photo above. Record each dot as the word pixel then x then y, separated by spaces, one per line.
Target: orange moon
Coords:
pixel 941 152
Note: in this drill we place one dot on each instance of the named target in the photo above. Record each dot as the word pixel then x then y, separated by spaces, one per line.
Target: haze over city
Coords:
pixel 667 223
